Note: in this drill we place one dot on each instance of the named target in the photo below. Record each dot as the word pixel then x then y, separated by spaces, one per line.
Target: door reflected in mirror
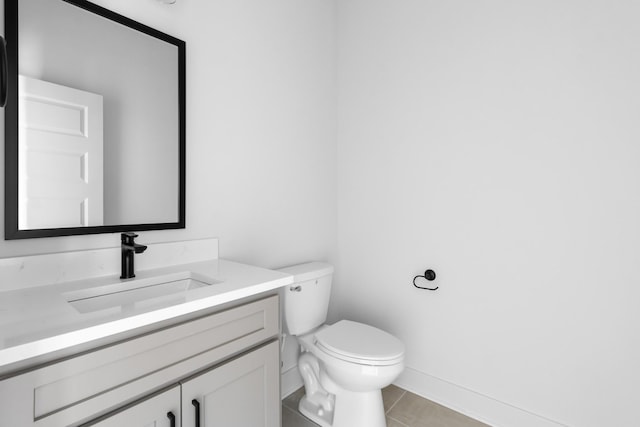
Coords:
pixel 96 123
pixel 61 156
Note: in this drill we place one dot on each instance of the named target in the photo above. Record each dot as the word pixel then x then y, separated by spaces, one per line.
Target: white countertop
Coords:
pixel 38 321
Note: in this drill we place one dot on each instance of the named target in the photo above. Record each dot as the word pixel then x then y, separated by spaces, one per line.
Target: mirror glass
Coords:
pixel 95 122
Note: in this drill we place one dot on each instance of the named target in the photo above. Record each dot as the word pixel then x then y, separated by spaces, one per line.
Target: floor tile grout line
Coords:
pixel 286 405
pixel 396 402
pixel 399 422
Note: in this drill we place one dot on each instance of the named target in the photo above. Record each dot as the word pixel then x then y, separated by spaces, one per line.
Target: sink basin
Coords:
pixel 134 291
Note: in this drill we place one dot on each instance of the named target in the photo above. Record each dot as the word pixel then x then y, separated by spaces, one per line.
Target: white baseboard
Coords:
pixel 469 402
pixel 290 381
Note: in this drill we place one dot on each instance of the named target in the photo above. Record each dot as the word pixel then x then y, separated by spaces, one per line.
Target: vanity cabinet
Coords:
pixel 243 392
pixel 226 361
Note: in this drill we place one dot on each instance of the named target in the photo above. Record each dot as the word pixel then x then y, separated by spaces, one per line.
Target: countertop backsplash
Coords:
pixel 48 269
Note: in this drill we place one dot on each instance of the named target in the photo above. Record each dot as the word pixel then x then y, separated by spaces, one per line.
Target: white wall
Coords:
pixel 497 143
pixel 492 141
pixel 260 129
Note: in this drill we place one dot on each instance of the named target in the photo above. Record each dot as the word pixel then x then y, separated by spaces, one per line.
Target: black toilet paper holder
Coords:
pixel 429 275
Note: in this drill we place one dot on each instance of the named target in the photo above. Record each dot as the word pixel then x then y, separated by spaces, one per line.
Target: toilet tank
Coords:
pixel 306 301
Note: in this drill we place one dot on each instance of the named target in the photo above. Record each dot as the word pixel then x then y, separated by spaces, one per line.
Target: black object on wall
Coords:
pixel 3 72
pixel 429 275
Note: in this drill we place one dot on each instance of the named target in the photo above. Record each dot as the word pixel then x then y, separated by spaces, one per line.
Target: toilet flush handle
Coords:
pixel 296 288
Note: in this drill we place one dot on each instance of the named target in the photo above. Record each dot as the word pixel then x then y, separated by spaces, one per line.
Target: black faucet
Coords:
pixel 129 248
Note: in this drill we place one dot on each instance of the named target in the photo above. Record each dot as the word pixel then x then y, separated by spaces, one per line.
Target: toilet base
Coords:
pixel 353 409
pixel 315 412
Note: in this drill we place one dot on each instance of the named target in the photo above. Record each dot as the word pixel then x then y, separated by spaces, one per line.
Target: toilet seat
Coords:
pixel 359 343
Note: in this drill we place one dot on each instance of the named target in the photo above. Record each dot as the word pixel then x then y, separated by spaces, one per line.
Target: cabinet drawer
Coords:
pixel 75 389
pixel 160 410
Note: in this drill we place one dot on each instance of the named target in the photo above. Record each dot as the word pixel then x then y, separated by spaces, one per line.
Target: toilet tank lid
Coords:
pixel 308 271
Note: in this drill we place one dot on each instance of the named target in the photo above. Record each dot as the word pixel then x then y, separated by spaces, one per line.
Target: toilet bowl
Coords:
pixel 359 357
pixel 343 366
pixel 351 362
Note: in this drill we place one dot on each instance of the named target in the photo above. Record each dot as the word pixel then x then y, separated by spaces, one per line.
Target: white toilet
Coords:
pixel 344 366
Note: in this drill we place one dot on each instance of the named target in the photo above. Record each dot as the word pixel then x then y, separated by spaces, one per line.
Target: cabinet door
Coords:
pixel 152 412
pixel 244 392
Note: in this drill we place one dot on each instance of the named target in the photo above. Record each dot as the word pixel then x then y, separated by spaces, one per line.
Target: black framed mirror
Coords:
pixel 94 123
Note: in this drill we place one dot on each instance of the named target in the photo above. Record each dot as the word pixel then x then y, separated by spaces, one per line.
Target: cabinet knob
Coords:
pixel 172 419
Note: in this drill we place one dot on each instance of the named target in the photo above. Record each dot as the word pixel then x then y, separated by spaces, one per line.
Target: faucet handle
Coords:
pixel 128 237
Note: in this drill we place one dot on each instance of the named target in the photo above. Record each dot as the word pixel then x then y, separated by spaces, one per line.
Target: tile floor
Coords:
pixel 403 409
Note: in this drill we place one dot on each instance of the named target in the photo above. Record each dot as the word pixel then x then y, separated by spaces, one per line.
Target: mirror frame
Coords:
pixel 11 229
